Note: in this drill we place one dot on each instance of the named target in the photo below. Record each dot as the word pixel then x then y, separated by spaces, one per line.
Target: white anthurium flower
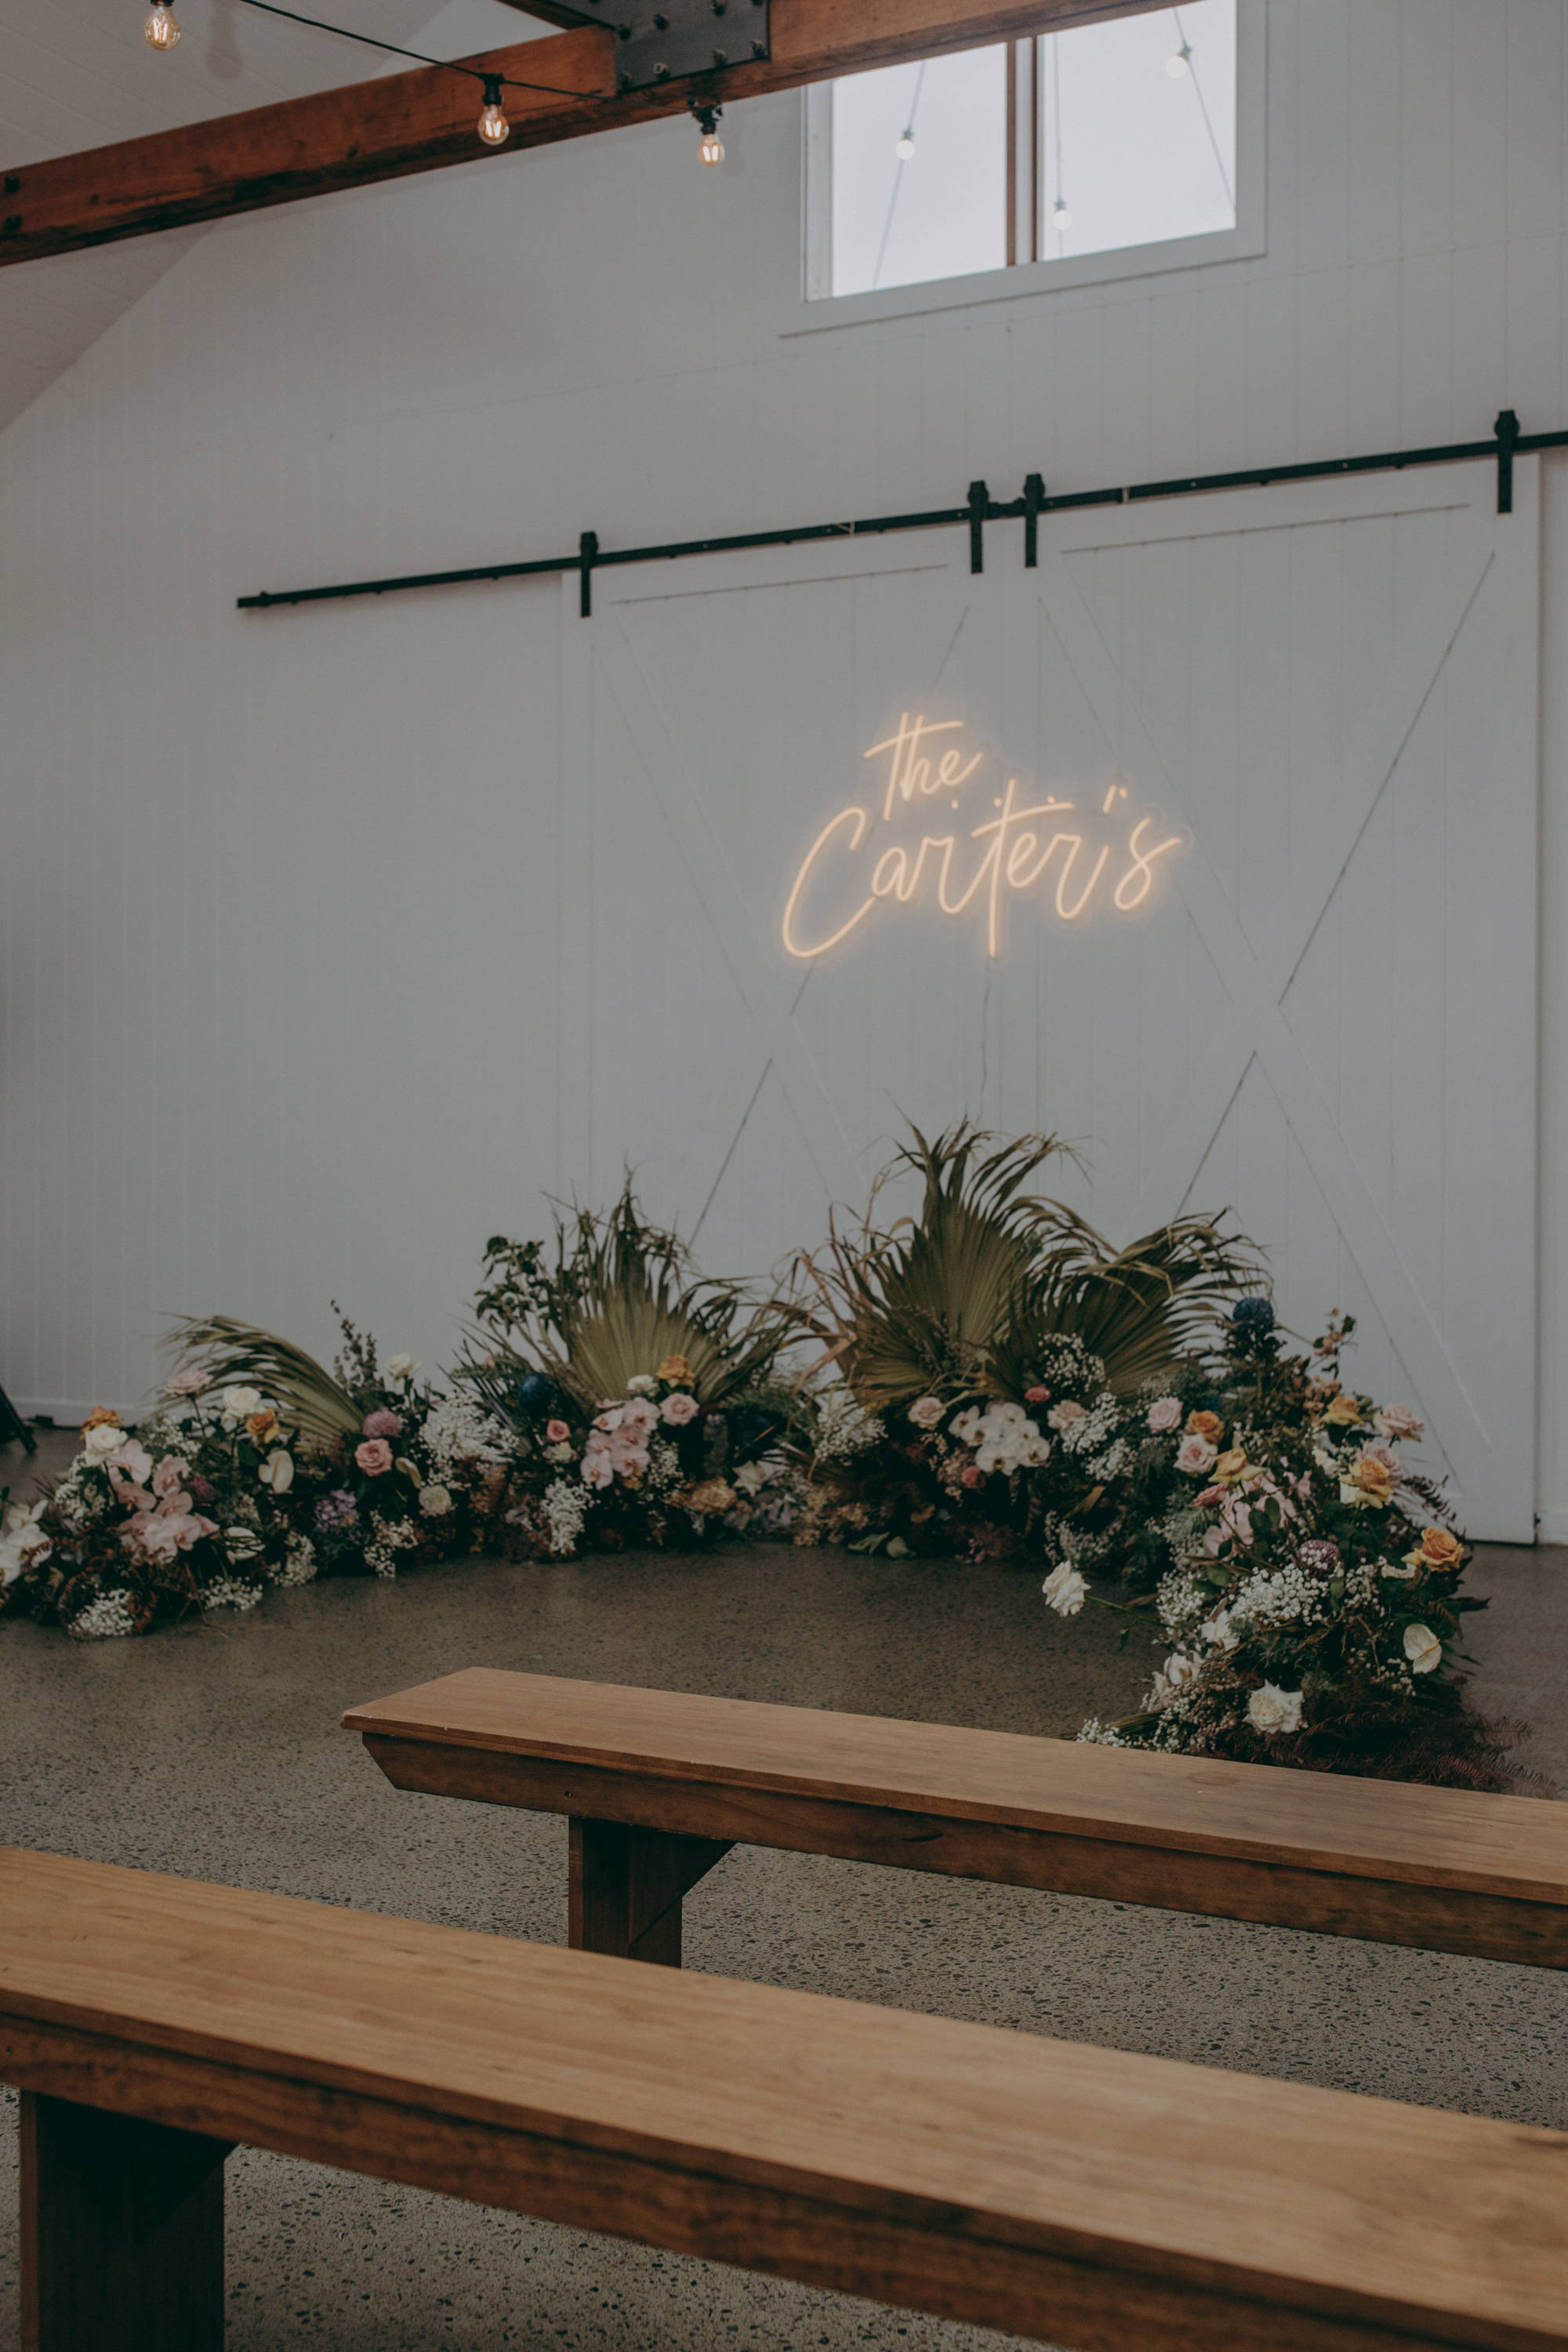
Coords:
pixel 401 1368
pixel 278 1471
pixel 1274 1711
pixel 1423 1649
pixel 241 1542
pixel 1065 1590
pixel 1174 1674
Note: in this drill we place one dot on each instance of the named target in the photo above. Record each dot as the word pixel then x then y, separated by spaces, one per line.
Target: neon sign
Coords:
pixel 1074 860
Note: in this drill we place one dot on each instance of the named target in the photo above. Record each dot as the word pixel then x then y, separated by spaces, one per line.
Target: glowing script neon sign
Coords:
pixel 1075 859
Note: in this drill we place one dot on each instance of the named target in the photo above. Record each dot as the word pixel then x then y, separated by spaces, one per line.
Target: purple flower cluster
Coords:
pixel 336 1509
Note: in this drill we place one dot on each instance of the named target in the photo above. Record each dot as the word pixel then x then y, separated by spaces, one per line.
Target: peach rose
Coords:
pixel 1345 1411
pixel 374 1456
pixel 674 1368
pixel 1231 1466
pixel 1372 1480
pixel 1440 1548
pixel 1207 1425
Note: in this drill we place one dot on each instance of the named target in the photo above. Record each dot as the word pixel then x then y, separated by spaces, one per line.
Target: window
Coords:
pixel 1104 138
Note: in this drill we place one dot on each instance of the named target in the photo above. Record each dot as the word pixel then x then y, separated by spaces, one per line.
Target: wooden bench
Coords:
pixel 1076 2195
pixel 660 1784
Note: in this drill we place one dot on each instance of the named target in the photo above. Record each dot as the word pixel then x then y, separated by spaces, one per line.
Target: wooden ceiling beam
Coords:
pixel 423 121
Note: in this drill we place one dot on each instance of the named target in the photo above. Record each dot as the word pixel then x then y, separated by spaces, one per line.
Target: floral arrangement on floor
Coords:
pixel 991 1380
pixel 258 1468
pixel 1310 1601
pixel 644 1401
pixel 992 1356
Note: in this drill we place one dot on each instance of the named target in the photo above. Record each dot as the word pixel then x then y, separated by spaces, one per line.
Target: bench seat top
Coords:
pixel 1506 1846
pixel 1449 2228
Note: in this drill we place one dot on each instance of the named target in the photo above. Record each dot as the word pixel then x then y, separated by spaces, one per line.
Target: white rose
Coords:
pixel 1065 1590
pixel 101 1442
pixel 278 1471
pixel 239 1402
pixel 641 1384
pixel 434 1501
pixel 401 1368
pixel 1423 1649
pixel 1272 1710
pixel 926 1411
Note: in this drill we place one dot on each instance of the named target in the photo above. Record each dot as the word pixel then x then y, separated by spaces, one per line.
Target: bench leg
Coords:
pixel 122 2232
pixel 626 1885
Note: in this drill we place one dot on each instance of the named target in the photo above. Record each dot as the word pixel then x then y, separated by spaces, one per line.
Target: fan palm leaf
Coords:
pixel 233 1354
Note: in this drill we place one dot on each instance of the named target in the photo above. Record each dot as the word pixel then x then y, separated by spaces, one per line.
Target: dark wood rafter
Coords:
pixel 425 119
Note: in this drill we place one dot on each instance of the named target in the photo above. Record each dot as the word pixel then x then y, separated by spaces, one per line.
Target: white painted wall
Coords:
pixel 278 910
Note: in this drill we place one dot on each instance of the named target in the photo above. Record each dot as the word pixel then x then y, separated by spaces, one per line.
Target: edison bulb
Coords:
pixel 1177 65
pixel 161 28
pixel 906 147
pixel 712 148
pixel 494 128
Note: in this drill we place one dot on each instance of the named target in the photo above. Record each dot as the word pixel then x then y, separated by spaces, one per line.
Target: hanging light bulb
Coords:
pixel 1179 64
pixel 906 146
pixel 494 128
pixel 1061 217
pixel 161 27
pixel 712 148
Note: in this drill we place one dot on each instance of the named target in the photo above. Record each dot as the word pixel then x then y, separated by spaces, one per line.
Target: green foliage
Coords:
pixel 961 1298
pixel 611 1297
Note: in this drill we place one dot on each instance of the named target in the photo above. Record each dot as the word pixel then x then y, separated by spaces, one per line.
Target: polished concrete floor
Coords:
pixel 214 1750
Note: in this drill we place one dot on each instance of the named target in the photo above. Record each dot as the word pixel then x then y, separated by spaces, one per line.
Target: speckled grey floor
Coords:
pixel 214 1750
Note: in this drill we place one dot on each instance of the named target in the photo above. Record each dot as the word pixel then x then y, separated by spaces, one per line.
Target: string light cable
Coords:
pixel 161 31
pixel 1181 66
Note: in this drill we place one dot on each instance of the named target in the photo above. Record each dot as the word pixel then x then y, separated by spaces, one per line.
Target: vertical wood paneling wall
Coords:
pixel 282 910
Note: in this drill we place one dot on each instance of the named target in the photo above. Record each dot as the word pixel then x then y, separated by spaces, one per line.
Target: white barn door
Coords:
pixel 1317 1009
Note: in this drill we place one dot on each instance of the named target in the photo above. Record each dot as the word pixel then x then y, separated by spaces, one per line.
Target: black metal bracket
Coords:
pixel 667 41
pixel 1507 442
pixel 1034 499
pixel 980 511
pixel 587 556
pixel 12 1428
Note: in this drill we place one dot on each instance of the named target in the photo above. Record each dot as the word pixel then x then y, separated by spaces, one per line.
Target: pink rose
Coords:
pixel 1379 1452
pixel 679 1409
pixel 1208 1498
pixel 184 1384
pixel 972 1476
pixel 557 1432
pixel 1164 1413
pixel 1397 1421
pixel 1195 1455
pixel 926 1411
pixel 1062 1417
pixel 1036 1396
pixel 374 1456
pixel 383 1423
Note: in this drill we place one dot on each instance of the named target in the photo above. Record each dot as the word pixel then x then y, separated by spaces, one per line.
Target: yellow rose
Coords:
pixel 1373 1479
pixel 1345 1411
pixel 1205 1424
pixel 675 1368
pixel 710 1499
pixel 1231 1466
pixel 1440 1548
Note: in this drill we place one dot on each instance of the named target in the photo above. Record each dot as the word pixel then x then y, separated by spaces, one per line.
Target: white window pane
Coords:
pixel 941 212
pixel 1137 140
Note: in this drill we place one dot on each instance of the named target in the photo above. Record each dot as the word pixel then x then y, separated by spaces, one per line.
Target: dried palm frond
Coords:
pixel 1137 1309
pixel 958 1297
pixel 621 1297
pixel 922 1304
pixel 232 1354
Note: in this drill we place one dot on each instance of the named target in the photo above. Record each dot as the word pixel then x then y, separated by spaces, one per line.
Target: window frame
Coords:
pixel 818 310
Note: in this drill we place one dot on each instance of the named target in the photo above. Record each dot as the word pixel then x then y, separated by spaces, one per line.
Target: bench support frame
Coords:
pixel 122 2232
pixel 626 1887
